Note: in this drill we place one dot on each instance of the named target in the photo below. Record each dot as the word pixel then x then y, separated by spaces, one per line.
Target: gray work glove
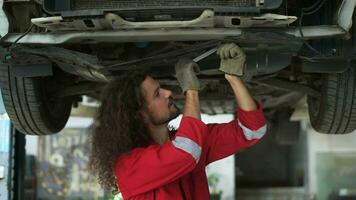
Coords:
pixel 232 59
pixel 185 74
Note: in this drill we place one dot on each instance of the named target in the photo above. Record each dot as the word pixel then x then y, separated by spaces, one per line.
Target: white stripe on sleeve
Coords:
pixel 188 146
pixel 250 134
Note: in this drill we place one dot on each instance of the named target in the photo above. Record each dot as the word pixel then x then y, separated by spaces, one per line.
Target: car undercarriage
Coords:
pixel 56 51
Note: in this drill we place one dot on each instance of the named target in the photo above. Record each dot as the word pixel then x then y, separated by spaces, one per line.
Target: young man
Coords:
pixel 132 148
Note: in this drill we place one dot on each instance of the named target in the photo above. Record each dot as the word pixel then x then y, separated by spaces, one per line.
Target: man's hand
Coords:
pixel 185 73
pixel 233 59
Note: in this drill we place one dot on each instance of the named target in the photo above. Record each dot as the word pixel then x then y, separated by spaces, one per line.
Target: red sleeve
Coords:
pixel 228 138
pixel 144 169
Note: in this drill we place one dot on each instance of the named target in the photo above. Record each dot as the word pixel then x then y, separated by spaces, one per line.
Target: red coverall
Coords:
pixel 176 170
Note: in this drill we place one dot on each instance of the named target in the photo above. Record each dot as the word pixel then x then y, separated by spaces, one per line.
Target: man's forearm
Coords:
pixel 242 95
pixel 192 105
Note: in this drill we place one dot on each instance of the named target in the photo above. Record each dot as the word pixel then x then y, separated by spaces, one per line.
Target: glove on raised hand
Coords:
pixel 232 59
pixel 185 74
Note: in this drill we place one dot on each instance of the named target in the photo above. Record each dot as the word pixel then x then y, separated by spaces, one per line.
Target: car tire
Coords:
pixel 335 111
pixel 29 106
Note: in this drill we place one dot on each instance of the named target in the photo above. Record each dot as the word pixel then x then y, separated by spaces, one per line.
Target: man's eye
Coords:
pixel 157 93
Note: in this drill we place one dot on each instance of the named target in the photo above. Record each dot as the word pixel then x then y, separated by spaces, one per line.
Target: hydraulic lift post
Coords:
pixel 12 158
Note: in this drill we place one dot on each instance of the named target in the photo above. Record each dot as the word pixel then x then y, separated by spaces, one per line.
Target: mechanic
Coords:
pixel 134 151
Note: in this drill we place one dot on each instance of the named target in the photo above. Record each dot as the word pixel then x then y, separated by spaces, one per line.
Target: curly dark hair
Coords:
pixel 118 126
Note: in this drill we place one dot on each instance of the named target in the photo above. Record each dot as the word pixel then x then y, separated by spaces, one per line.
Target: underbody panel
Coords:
pixel 181 8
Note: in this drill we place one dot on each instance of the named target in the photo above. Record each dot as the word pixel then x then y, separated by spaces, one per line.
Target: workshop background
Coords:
pixel 317 166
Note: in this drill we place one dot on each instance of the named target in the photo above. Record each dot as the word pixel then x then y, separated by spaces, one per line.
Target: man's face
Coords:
pixel 160 107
